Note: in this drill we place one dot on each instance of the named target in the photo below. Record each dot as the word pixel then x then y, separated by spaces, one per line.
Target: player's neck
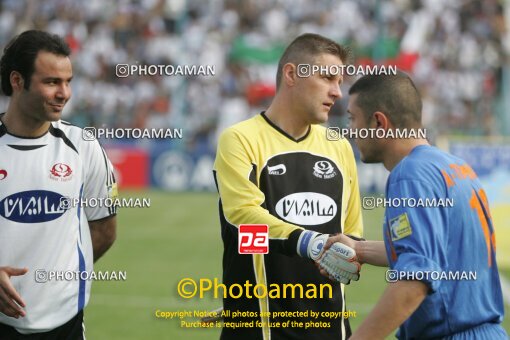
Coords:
pixel 22 125
pixel 280 115
pixel 399 149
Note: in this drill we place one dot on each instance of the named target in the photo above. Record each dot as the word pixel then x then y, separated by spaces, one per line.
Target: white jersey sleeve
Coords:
pixel 99 184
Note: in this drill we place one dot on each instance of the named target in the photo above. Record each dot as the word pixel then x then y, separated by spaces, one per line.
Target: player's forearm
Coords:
pixel 251 214
pixel 371 252
pixel 398 302
pixel 280 233
pixel 103 233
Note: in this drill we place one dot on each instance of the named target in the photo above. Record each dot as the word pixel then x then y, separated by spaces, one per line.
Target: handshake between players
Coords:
pixel 334 259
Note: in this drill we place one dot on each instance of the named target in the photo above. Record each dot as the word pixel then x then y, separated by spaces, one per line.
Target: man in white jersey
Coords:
pixel 46 244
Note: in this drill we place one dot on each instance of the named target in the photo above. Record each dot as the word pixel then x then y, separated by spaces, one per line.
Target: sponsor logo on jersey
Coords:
pixel 61 172
pixel 32 206
pixel 400 227
pixel 324 170
pixel 279 169
pixel 306 208
pixel 113 191
pixel 3 174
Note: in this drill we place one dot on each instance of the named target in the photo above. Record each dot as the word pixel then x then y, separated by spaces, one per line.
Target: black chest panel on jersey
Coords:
pixel 303 189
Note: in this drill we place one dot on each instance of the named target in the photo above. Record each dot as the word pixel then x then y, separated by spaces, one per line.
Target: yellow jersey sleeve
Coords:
pixel 236 177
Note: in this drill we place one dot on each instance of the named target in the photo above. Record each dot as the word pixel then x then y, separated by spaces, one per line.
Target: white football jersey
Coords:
pixel 41 233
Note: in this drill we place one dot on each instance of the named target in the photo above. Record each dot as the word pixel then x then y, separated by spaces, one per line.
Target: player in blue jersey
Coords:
pixel 439 239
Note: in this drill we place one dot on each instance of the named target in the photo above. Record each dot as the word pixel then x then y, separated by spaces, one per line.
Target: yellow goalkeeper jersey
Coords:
pixel 264 176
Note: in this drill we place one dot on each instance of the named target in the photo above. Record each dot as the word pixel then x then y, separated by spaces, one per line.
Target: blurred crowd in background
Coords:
pixel 457 52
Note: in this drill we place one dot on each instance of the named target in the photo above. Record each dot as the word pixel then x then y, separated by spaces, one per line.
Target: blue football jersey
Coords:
pixel 439 231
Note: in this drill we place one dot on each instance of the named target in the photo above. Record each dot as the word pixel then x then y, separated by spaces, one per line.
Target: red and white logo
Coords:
pixel 3 174
pixel 61 172
pixel 253 239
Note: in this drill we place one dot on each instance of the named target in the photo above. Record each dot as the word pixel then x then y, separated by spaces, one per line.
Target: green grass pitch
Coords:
pixel 178 237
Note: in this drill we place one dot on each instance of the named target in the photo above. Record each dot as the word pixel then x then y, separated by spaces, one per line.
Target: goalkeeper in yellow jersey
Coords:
pixel 279 169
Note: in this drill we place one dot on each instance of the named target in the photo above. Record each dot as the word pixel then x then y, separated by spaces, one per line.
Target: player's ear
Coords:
pixel 17 81
pixel 381 120
pixel 289 74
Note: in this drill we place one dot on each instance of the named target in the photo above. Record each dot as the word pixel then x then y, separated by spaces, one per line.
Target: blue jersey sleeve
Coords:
pixel 416 236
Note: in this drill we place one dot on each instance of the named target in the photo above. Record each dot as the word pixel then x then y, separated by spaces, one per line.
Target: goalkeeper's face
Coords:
pixel 370 149
pixel 316 88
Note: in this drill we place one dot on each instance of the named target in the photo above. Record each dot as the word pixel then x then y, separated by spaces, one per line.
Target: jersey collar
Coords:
pixel 3 131
pixel 263 114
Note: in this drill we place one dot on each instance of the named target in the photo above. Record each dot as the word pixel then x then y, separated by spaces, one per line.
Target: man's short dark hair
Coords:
pixel 20 53
pixel 394 95
pixel 305 48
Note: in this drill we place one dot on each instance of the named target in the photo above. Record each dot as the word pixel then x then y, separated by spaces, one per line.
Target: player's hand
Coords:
pixel 11 302
pixel 340 263
pixel 349 242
